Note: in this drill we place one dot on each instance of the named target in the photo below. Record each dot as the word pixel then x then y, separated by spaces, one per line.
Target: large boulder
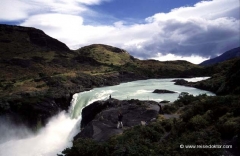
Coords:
pixel 99 120
pixel 89 112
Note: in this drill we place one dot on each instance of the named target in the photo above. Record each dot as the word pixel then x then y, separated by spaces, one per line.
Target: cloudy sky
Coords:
pixel 193 30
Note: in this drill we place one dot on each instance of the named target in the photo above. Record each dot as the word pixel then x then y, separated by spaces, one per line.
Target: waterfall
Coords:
pixel 50 140
pixel 60 130
pixel 54 137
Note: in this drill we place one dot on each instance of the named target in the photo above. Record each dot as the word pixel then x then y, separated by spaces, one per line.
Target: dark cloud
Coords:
pixel 206 29
pixel 200 37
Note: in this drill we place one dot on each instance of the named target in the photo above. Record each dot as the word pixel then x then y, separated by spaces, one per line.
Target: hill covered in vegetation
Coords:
pixel 224 81
pixel 207 125
pixel 39 74
pixel 33 62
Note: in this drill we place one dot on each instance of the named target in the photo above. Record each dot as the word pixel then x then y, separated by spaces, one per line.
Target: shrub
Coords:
pixel 42 75
pixel 185 98
pixel 41 86
pixel 167 125
pixel 83 147
pixel 228 126
pixel 169 109
pixel 198 122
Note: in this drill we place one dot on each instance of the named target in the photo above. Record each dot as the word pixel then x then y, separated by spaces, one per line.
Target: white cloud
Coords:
pixel 91 2
pixel 197 32
pixel 205 9
pixel 169 56
pixel 13 10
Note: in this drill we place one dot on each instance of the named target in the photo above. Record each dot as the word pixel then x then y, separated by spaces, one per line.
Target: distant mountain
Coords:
pixel 225 56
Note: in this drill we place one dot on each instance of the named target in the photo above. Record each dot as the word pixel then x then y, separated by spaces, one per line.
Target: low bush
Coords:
pixel 204 121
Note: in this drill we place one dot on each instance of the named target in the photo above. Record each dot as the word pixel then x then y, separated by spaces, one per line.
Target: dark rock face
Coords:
pixel 162 91
pixel 34 110
pixel 89 112
pixel 99 120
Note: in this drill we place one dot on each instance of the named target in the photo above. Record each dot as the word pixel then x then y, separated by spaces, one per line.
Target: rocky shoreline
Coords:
pixel 37 107
pixel 33 108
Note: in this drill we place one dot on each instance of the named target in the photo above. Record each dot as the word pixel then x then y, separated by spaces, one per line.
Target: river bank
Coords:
pixel 203 120
pixel 64 126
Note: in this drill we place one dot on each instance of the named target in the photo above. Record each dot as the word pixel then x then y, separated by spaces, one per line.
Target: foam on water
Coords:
pixel 56 136
pixel 60 130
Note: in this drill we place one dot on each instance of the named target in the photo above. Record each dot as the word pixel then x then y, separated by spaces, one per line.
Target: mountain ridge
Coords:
pixel 230 54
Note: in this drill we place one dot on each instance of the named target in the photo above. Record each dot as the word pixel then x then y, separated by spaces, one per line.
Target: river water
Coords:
pixel 60 130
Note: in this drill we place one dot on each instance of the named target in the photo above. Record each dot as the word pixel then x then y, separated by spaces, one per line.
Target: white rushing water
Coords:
pixel 60 130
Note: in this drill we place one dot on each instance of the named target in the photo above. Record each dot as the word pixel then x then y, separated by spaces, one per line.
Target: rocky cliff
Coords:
pixel 99 120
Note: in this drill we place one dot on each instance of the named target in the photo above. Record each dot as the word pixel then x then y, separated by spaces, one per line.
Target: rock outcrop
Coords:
pixel 34 111
pixel 162 91
pixel 99 120
pixel 180 82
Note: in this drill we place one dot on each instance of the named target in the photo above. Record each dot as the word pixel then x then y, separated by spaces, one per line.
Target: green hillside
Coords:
pixel 110 59
pixel 224 80
pixel 34 63
pixel 105 54
pixel 27 55
pixel 39 74
pixel 211 123
pixel 38 71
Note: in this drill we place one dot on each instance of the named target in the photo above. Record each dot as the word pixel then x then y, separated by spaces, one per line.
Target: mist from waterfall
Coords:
pixel 60 130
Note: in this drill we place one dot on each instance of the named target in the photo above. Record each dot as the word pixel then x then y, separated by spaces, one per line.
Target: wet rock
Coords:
pixel 162 91
pixel 180 82
pixel 164 101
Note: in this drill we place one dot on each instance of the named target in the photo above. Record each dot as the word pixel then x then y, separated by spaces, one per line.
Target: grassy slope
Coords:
pixel 113 59
pixel 22 61
pixel 31 62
